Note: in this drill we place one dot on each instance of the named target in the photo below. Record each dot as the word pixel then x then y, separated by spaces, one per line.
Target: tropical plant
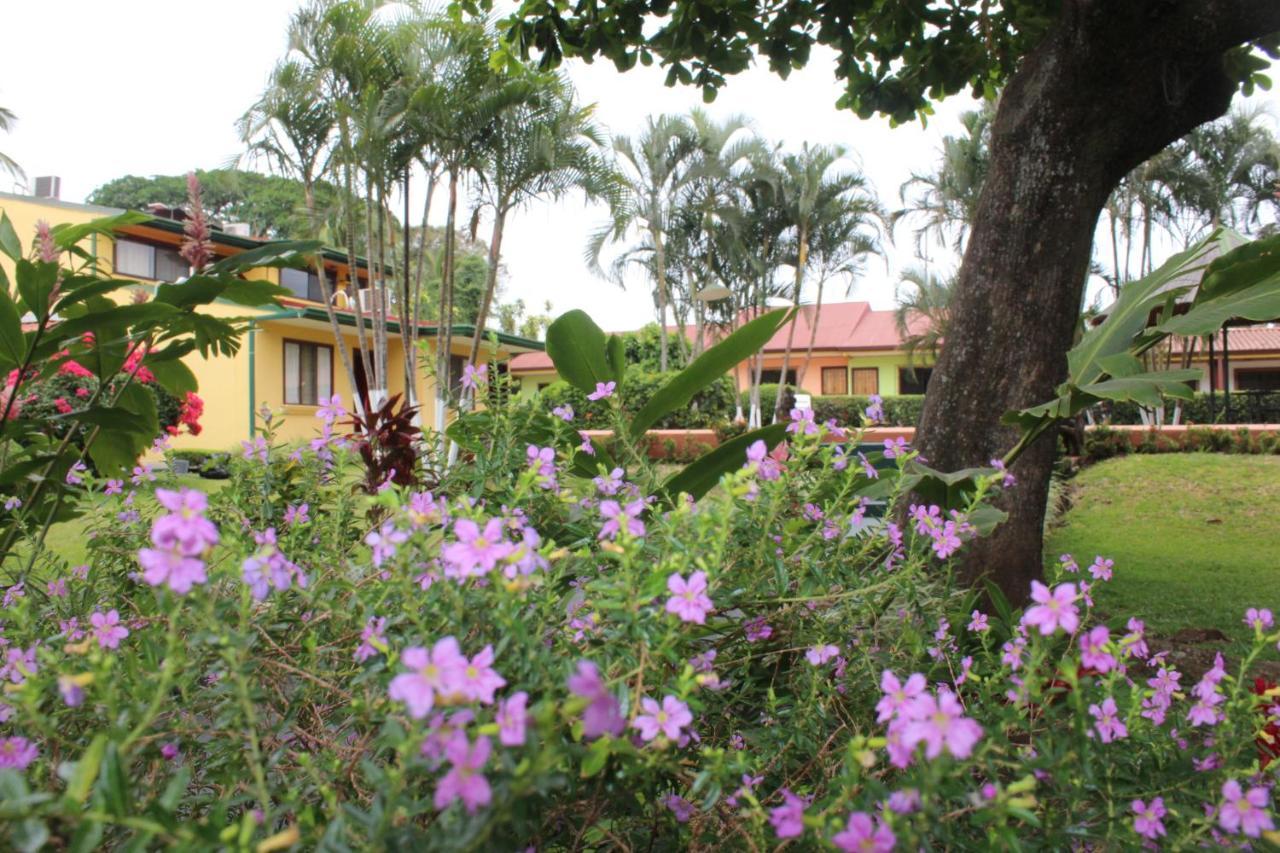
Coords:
pixel 1224 173
pixel 923 312
pixel 7 163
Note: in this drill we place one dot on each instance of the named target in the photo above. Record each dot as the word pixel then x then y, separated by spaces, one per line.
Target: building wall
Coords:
pixel 1239 363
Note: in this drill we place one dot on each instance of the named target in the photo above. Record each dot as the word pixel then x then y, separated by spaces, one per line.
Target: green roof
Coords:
pixel 466 330
pixel 235 241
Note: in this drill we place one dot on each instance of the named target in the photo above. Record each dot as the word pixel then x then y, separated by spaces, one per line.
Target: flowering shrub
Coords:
pixel 533 657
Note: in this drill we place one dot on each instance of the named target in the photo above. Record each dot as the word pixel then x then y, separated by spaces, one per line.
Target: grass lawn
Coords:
pixel 1195 538
pixel 67 539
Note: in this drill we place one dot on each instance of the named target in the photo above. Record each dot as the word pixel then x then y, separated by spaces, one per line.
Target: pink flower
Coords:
pixel 17 753
pixel 465 781
pixel 818 655
pixel 472 376
pixel 71 691
pixel 564 413
pixel 107 629
pixel 1093 649
pixel 603 390
pixel 893 448
pixel 940 723
pixel 788 818
pixel 681 808
pixel 1245 812
pixel 978 622
pixel 434 673
pixel 689 598
pixel 617 515
pixel 757 629
pixel 331 409
pixel 46 250
pixel 371 634
pixel 897 696
pixel 197 245
pixel 602 715
pixel 1259 620
pixel 512 717
pixel 477 679
pixel 669 719
pixel 1052 610
pixel 171 568
pixel 475 552
pixel 861 835
pixel 1146 821
pixel 1108 725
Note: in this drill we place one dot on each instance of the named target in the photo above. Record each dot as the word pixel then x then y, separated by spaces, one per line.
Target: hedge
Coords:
pixel 1247 407
pixel 1102 443
pixel 709 408
pixel 901 410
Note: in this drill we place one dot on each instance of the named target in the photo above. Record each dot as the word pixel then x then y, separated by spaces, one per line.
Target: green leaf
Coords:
pixel 67 236
pixel 173 375
pixel 113 783
pixel 110 417
pixel 617 351
pixel 86 770
pixel 707 368
pixel 703 474
pixel 13 344
pixel 278 253
pixel 578 349
pixel 118 445
pixel 9 242
pixel 597 757
pixel 204 289
pixel 35 282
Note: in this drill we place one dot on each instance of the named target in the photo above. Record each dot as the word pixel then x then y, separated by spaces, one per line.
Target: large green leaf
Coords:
pixel 13 344
pixel 279 253
pixel 579 350
pixel 173 375
pixel 36 281
pixel 204 289
pixel 66 237
pixel 120 443
pixel 701 476
pixel 707 368
pixel 1146 389
pixel 9 242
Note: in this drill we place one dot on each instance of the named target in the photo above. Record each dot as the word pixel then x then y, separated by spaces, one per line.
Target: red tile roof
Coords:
pixel 842 327
pixel 1241 339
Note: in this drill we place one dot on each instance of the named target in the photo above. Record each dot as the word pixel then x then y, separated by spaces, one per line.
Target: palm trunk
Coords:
pixel 802 257
pixel 344 356
pixel 491 280
pixel 444 327
pixel 660 273
pixel 813 335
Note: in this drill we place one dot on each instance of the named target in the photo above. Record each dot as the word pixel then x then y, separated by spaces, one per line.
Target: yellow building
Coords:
pixel 288 362
pixel 856 350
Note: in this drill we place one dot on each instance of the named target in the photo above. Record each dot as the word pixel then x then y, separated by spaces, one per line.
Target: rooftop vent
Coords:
pixel 49 186
pixel 237 229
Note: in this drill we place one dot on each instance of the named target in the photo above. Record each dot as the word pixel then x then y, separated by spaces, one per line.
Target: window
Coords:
pixel 774 377
pixel 1258 379
pixel 306 285
pixel 308 373
pixel 144 260
pixel 835 380
pixel 866 381
pixel 913 382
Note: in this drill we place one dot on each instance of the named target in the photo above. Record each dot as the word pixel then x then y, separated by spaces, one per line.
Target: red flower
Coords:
pixel 1269 738
pixel 61 404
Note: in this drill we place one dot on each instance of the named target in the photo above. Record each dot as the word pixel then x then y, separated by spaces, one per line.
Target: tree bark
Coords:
pixel 1110 85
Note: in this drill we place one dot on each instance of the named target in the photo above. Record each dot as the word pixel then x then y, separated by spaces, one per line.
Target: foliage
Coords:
pixel 710 407
pixel 77 331
pixel 272 206
pixel 901 410
pixel 1103 443
pixel 387 441
pixel 1247 407
pixel 487 667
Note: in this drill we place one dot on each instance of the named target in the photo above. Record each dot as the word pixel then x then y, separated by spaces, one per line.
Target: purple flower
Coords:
pixel 668 719
pixel 1052 610
pixel 757 629
pixel 898 697
pixel 978 622
pixel 434 673
pixel 1101 568
pixel 475 553
pixel 689 598
pixel 680 807
pixel 465 781
pixel 1068 563
pixel 564 413
pixel 57 588
pixel 874 413
pixel 1008 481
pixel 818 655
pixel 473 376
pixel 602 715
pixel 383 542
pixel 1093 649
pixel 940 723
pixel 71 691
pixel 1259 620
pixel 788 818
pixel 861 835
pixel 107 629
pixel 802 422
pixel 1245 812
pixel 113 487
pixel 1109 726
pixel 586 447
pixel 477 680
pixel 258 448
pixel 610 483
pixel 543 460
pixel 331 409
pixel 74 475
pixel 617 515
pixel 169 751
pixel 895 447
pixel 268 567
pixel 371 635
pixel 603 390
pixel 296 515
pixel 765 465
pixel 905 801
pixel 17 753
pixel 512 717
pixel 1146 820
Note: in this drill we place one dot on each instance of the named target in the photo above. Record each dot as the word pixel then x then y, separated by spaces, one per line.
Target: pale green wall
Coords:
pixel 888 364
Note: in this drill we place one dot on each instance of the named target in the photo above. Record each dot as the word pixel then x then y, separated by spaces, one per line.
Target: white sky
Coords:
pixel 159 84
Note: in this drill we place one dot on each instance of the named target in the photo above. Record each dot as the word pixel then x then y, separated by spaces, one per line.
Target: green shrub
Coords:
pixel 1247 407
pixel 709 408
pixel 903 410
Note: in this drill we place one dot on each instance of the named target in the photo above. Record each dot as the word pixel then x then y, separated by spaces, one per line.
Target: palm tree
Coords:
pixel 542 147
pixel 1225 172
pixel 814 195
pixel 924 312
pixel 7 164
pixel 946 200
pixel 653 170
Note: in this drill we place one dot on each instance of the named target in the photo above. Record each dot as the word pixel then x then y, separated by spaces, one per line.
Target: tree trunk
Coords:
pixel 660 273
pixel 802 258
pixel 491 285
pixel 813 336
pixel 1109 86
pixel 444 325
